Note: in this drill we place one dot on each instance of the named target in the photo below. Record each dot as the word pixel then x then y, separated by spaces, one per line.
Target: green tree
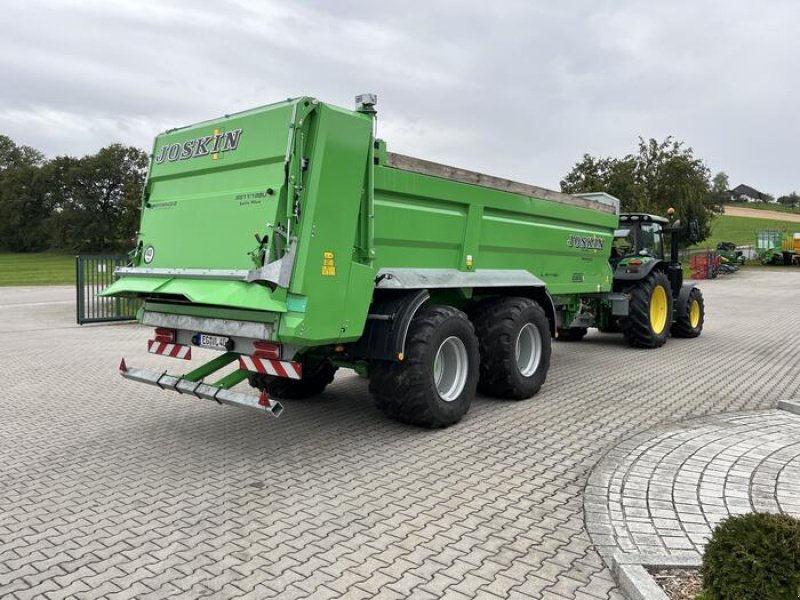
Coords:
pixel 25 210
pixel 720 189
pixel 614 176
pixel 84 204
pixel 660 175
pixel 13 156
pixel 720 184
pixel 24 206
pixel 791 200
pixel 97 198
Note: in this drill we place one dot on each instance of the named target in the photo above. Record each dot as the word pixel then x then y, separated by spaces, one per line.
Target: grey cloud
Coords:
pixel 514 88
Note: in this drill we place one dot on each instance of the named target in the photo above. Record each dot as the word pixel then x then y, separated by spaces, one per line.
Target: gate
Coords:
pixel 93 274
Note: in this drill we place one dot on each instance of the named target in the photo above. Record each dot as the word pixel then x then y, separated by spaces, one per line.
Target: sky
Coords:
pixel 516 89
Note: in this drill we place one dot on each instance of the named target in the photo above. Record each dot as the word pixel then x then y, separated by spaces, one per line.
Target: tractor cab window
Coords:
pixel 623 243
pixel 650 240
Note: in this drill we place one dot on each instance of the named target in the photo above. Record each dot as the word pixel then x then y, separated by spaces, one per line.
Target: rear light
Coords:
pixel 165 335
pixel 267 350
pixel 635 262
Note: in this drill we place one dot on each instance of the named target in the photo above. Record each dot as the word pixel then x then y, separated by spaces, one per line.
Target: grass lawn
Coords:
pixel 742 230
pixel 42 268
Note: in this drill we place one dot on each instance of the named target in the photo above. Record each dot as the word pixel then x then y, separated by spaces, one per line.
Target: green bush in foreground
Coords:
pixel 754 556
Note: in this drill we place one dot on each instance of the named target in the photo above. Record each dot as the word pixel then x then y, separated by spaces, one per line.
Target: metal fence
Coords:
pixel 704 264
pixel 93 274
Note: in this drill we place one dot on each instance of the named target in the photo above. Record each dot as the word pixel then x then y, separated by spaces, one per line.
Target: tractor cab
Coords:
pixel 638 236
pixel 638 248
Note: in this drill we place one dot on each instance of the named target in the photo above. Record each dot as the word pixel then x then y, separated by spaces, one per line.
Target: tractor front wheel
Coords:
pixel 690 324
pixel 649 312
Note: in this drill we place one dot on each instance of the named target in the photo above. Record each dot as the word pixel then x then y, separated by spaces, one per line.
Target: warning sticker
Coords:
pixel 328 264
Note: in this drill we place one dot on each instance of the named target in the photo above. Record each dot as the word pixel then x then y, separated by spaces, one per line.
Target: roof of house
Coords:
pixel 746 190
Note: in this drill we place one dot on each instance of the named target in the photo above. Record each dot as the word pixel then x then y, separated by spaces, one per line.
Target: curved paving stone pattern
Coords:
pixel 663 491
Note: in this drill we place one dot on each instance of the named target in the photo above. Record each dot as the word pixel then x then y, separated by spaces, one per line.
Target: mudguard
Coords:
pixel 621 274
pixel 384 336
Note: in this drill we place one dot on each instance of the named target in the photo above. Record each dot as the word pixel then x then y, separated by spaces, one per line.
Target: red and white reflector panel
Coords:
pixel 278 368
pixel 173 350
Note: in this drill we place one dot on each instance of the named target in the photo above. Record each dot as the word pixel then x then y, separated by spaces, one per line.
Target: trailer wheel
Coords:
pixel 514 337
pixel 571 334
pixel 649 312
pixel 312 383
pixel 434 384
pixel 690 325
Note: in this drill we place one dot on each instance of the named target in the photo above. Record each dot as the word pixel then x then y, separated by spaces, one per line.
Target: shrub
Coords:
pixel 754 556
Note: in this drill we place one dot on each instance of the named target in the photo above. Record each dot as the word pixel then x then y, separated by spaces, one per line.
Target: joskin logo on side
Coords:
pixel 227 141
pixel 585 241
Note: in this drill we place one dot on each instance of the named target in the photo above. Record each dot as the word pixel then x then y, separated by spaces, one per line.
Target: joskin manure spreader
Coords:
pixel 288 238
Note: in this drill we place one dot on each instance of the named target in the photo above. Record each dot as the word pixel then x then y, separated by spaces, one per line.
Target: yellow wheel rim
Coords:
pixel 694 314
pixel 658 309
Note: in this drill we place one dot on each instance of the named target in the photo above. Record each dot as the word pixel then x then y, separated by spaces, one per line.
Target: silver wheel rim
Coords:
pixel 528 350
pixel 450 368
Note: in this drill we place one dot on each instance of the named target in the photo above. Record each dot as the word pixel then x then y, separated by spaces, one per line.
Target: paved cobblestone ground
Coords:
pixel 113 489
pixel 661 492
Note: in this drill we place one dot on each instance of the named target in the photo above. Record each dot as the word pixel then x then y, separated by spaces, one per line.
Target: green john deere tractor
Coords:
pixel 649 299
pixel 659 302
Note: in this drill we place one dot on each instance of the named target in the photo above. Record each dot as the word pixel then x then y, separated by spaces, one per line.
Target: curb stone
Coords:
pixel 637 584
pixel 636 581
pixel 792 406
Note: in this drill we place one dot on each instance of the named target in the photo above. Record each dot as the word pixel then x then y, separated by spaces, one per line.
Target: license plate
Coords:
pixel 212 341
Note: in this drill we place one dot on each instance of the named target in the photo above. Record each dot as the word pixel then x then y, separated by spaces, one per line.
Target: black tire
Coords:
pixel 406 390
pixel 638 327
pixel 691 325
pixel 312 384
pixel 571 334
pixel 499 324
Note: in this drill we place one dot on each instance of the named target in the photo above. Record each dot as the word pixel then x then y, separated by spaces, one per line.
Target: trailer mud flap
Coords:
pixel 217 392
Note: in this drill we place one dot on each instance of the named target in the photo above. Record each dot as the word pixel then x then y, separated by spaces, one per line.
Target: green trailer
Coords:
pixel 291 240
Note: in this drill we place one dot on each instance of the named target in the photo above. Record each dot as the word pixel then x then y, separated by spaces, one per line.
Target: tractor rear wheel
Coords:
pixel 690 325
pixel 433 386
pixel 514 337
pixel 571 334
pixel 649 312
pixel 312 384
